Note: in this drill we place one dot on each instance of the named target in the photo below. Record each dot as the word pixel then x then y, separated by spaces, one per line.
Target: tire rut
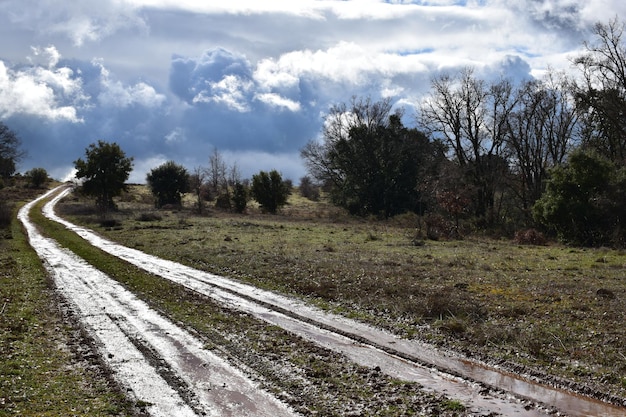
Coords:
pixel 161 365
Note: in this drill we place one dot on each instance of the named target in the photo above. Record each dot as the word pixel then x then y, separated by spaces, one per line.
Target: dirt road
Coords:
pixel 484 390
pixel 156 361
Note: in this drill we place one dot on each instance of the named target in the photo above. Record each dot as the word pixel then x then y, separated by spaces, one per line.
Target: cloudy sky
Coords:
pixel 176 79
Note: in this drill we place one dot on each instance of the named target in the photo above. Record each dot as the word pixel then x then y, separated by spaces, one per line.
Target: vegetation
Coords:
pixel 10 151
pixel 168 182
pixel 584 201
pixel 37 177
pixel 269 190
pixel 371 162
pixel 104 172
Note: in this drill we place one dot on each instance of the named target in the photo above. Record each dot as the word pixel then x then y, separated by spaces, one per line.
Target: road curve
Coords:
pixel 409 360
pixel 157 362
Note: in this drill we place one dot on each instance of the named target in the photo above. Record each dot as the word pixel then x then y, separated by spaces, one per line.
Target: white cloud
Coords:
pixel 114 94
pixel 231 91
pixel 51 93
pixel 141 167
pixel 176 136
pixel 276 100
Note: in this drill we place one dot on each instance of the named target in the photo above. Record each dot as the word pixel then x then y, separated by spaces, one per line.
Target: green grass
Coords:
pixel 534 305
pixel 41 374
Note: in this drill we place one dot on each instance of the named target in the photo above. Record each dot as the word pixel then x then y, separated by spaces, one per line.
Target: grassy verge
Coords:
pixel 552 308
pixel 313 380
pixel 43 371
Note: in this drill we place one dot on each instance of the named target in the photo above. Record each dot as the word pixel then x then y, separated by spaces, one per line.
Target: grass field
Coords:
pixel 551 308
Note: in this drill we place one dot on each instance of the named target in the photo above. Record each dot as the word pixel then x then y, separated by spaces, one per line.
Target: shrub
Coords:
pixel 240 197
pixel 308 189
pixel 37 177
pixel 530 237
pixel 149 217
pixel 223 201
pixel 270 191
pixel 6 214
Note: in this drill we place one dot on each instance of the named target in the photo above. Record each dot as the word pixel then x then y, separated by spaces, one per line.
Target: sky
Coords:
pixel 178 79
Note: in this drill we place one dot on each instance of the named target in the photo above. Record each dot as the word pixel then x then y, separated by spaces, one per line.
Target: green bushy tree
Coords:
pixel 269 190
pixel 168 182
pixel 104 172
pixel 37 177
pixel 240 197
pixel 583 201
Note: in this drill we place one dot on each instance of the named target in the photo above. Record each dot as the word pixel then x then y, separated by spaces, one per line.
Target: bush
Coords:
pixel 269 190
pixel 167 183
pixel 149 217
pixel 240 197
pixel 308 189
pixel 223 201
pixel 6 214
pixel 37 177
pixel 530 237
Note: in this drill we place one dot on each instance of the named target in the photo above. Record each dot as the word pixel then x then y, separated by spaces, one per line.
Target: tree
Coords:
pixel 217 174
pixel 37 177
pixel 370 159
pixel 470 116
pixel 341 119
pixel 601 100
pixel 196 184
pixel 105 171
pixel 10 152
pixel 583 201
pixel 269 190
pixel 308 189
pixel 240 197
pixel 168 182
pixel 540 134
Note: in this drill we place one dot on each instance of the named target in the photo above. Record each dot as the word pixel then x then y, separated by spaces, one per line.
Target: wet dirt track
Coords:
pixel 157 362
pixel 409 360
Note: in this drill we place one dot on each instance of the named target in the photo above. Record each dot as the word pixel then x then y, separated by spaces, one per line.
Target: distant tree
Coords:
pixel 197 182
pixel 37 177
pixel 541 129
pixel 469 115
pixel 269 190
pixel 584 201
pixel 240 197
pixel 168 182
pixel 105 171
pixel 217 173
pixel 10 152
pixel 601 100
pixel 308 189
pixel 370 159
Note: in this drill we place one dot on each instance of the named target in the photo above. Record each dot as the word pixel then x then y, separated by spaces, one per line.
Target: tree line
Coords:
pixel 491 155
pixel 105 170
pixel 484 155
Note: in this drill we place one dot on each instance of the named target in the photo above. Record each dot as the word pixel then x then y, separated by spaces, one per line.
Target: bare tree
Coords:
pixel 602 99
pixel 470 116
pixel 540 133
pixel 217 173
pixel 197 182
